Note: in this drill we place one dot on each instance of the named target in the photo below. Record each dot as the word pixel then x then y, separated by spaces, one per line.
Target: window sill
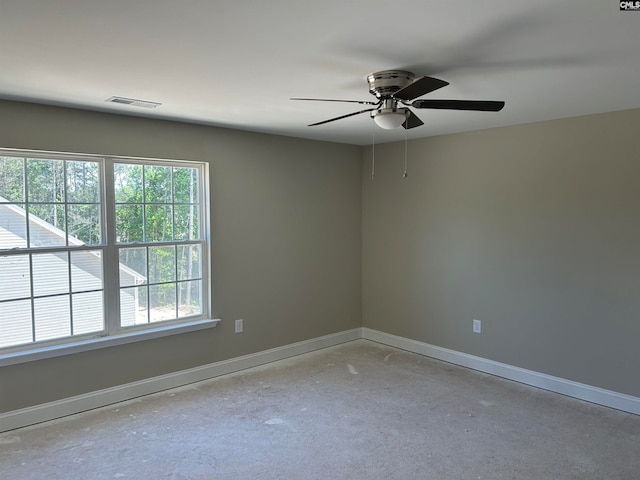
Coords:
pixel 102 342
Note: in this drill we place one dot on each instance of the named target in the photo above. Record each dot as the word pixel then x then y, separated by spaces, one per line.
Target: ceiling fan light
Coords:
pixel 390 120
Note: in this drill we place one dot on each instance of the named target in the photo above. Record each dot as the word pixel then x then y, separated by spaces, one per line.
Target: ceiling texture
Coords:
pixel 236 63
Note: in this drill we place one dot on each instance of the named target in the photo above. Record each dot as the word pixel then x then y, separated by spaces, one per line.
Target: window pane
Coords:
pixel 50 273
pixel 185 185
pixel 11 179
pixel 157 184
pixel 13 227
pixel 162 301
pixel 15 323
pixel 129 224
pixel 45 180
pixel 47 225
pixel 14 277
pixel 88 314
pixel 83 182
pixel 86 270
pixel 188 262
pixel 162 264
pixel 190 298
pixel 133 266
pixel 133 306
pixel 52 317
pixel 159 223
pixel 128 183
pixel 84 224
pixel 186 222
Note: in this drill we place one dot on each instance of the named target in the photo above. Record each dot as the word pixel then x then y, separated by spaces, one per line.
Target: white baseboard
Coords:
pixel 581 391
pixel 68 406
pixel 100 398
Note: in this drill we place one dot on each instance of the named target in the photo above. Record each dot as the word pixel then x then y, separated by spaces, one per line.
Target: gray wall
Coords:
pixel 533 229
pixel 286 241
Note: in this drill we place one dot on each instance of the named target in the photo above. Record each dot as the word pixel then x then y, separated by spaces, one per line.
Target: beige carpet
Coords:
pixel 357 411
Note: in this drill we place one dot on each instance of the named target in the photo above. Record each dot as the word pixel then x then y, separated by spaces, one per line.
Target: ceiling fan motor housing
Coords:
pixel 387 82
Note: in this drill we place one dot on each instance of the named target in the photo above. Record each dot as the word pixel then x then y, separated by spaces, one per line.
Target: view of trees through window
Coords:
pixel 57 218
pixel 156 205
pixel 65 194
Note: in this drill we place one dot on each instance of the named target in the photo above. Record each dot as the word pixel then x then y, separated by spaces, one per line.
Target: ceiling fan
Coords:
pixel 395 90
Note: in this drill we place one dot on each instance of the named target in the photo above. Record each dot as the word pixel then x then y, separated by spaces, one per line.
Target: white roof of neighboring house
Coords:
pixel 13 235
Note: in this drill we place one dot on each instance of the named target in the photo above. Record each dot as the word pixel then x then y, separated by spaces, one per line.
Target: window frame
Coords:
pixel 113 332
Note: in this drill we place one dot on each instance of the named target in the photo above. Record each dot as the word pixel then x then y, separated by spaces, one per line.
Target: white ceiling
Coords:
pixel 236 63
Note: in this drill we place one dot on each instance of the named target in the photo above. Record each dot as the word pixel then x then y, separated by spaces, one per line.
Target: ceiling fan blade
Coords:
pixel 419 87
pixel 412 122
pixel 361 102
pixel 343 116
pixel 478 105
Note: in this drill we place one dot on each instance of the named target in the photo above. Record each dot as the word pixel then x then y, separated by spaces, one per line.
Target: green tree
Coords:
pixel 12 179
pixel 156 203
pixel 60 192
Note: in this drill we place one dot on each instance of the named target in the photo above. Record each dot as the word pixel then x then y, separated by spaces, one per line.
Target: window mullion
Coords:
pixel 204 235
pixel 25 180
pixel 111 256
pixel 65 199
pixel 32 300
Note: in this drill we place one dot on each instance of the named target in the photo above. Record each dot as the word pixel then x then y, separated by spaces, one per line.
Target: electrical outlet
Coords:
pixel 477 326
pixel 239 325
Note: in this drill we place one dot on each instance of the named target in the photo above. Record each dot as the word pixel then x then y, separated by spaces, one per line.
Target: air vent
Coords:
pixel 133 102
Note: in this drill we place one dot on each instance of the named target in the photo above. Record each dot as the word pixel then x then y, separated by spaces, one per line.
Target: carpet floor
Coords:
pixel 359 410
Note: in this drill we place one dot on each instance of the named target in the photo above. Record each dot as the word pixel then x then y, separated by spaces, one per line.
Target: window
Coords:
pixel 93 247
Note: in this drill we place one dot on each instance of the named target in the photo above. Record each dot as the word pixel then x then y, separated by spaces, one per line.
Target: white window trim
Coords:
pixel 42 353
pixel 119 336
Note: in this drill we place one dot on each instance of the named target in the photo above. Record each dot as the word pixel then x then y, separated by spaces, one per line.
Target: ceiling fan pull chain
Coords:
pixel 405 174
pixel 373 149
